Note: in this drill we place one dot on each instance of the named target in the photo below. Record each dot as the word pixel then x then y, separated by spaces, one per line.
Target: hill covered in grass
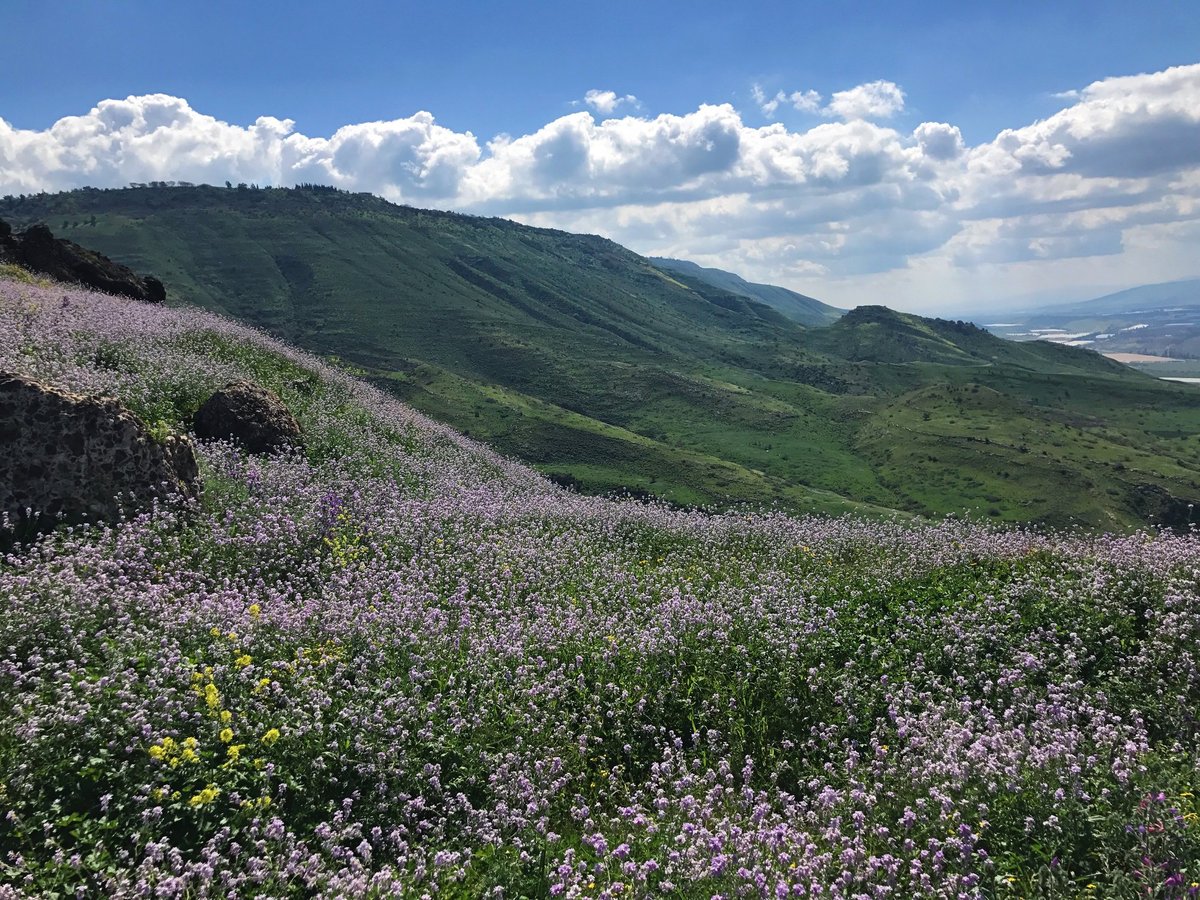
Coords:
pixel 607 372
pixel 398 665
pixel 798 307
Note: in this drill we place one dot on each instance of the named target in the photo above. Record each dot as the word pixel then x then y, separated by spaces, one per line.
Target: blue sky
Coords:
pixel 791 139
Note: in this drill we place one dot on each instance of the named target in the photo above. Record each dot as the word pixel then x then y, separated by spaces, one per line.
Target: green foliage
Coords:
pixel 587 361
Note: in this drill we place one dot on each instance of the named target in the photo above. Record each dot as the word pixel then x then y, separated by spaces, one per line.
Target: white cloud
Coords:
pixel 876 100
pixel 838 208
pixel 801 101
pixel 805 101
pixel 606 102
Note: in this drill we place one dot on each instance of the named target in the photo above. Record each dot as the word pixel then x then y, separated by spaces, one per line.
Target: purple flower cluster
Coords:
pixel 400 665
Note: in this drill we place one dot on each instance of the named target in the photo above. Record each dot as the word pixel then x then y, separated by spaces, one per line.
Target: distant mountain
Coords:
pixel 610 372
pixel 1161 320
pixel 1132 300
pixel 797 307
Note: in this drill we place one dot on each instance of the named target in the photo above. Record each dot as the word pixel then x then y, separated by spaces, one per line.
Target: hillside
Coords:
pixel 396 664
pixel 608 373
pixel 797 307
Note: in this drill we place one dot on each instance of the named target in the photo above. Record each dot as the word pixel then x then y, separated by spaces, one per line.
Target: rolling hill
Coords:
pixel 609 372
pixel 797 307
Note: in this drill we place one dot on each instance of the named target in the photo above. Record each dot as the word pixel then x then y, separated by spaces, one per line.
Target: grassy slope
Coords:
pixel 798 307
pixel 583 358
pixel 397 665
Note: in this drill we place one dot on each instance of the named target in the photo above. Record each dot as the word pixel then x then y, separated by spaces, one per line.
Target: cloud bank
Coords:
pixel 852 203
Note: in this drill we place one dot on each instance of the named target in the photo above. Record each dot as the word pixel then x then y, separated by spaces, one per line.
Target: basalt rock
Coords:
pixel 1159 507
pixel 38 250
pixel 249 415
pixel 69 459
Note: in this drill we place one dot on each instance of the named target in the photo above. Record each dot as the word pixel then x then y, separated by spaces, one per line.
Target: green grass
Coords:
pixel 572 353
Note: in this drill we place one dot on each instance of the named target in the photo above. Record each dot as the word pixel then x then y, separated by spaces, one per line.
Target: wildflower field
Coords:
pixel 400 665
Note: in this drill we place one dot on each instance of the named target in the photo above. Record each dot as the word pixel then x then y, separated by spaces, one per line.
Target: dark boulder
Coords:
pixel 38 250
pixel 1157 506
pixel 251 416
pixel 70 459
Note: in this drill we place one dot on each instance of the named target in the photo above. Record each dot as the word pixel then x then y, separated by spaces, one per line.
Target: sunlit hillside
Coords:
pixel 400 665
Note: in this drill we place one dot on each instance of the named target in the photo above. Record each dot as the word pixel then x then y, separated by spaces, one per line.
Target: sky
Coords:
pixel 935 157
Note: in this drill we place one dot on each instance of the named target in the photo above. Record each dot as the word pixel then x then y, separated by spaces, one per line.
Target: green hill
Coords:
pixel 797 307
pixel 608 373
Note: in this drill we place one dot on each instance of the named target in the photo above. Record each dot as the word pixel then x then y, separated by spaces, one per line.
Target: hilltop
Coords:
pixel 608 372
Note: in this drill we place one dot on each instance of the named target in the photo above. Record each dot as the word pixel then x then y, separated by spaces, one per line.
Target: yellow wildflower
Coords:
pixel 235 751
pixel 208 795
pixel 226 735
pixel 271 736
pixel 243 661
pixel 226 717
pixel 255 610
pixel 214 631
pixel 212 696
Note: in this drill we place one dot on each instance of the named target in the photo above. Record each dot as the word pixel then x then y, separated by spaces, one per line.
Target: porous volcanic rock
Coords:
pixel 251 416
pixel 38 250
pixel 72 459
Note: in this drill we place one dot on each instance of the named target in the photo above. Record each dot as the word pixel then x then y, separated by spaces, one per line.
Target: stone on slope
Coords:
pixel 73 459
pixel 249 415
pixel 38 250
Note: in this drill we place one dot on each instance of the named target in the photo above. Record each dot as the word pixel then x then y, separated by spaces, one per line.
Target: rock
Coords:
pixel 1157 506
pixel 38 250
pixel 68 458
pixel 251 416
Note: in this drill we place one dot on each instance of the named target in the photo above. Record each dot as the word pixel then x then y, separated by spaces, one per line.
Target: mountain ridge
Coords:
pixel 796 306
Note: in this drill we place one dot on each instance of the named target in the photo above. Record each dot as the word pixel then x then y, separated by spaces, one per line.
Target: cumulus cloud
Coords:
pixel 844 198
pixel 606 102
pixel 801 101
pixel 876 100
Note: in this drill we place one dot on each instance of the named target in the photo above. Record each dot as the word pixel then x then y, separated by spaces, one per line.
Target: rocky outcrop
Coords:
pixel 70 459
pixel 249 415
pixel 1157 506
pixel 38 250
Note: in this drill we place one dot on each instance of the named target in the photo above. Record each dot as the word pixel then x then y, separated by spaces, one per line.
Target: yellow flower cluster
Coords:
pixel 271 736
pixel 175 753
pixel 260 803
pixel 208 795
pixel 321 654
